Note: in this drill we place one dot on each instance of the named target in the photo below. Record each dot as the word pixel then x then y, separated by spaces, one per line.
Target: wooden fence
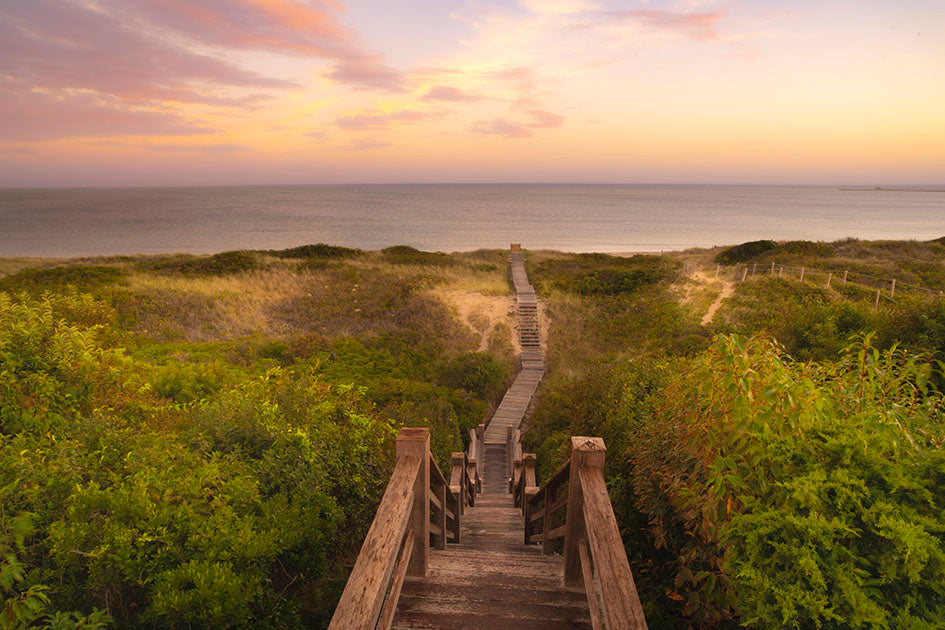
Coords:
pixel 572 514
pixel 419 509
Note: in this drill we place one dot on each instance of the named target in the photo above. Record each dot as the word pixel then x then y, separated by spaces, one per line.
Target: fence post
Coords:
pixel 829 277
pixel 717 269
pixel 745 273
pixel 754 268
pixel 892 289
pixel 781 271
pixel 585 452
pixel 802 274
pixel 772 268
pixel 415 441
pixel 876 302
pixel 844 279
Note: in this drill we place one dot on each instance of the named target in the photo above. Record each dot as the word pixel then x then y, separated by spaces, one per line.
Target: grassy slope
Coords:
pixel 229 356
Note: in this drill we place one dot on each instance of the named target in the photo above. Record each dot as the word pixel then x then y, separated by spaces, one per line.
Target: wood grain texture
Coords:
pixel 492 580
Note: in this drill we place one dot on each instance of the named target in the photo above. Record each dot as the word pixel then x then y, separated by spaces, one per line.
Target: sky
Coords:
pixel 216 92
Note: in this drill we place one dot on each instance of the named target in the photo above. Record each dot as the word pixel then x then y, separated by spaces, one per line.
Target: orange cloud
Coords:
pixel 374 120
pixel 502 127
pixel 452 94
pixel 698 26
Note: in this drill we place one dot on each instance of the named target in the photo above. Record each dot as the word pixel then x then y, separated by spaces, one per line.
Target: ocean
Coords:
pixel 64 222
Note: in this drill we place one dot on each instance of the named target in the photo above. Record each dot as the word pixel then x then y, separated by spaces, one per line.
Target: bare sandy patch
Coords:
pixel 480 312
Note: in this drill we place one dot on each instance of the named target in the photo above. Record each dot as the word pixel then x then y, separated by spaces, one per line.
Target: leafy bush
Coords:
pixel 318 250
pixel 223 263
pixel 80 277
pixel 744 252
pixel 406 255
pixel 614 281
pixel 50 372
pixel 805 248
pixel 476 372
pixel 796 495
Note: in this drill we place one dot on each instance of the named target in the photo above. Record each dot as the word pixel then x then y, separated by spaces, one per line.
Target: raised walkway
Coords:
pixel 483 549
pixel 492 579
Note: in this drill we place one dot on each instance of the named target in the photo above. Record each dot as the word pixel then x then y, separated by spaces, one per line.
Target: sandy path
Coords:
pixel 728 288
pixel 481 312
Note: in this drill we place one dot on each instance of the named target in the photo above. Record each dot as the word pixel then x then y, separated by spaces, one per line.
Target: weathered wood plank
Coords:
pixel 619 598
pixel 361 601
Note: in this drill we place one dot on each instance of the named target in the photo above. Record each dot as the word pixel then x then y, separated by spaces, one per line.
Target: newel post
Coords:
pixel 585 452
pixel 415 441
pixel 456 481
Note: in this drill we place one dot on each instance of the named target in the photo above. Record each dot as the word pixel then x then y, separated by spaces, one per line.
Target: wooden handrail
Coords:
pixel 594 558
pixel 477 453
pixel 398 542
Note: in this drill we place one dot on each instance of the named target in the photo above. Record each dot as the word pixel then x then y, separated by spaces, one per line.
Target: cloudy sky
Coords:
pixel 139 92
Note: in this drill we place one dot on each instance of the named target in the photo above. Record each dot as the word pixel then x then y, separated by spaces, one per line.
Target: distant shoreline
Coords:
pixel 888 189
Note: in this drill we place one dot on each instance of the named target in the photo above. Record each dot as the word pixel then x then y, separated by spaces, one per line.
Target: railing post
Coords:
pixel 514 483
pixel 473 483
pixel 531 483
pixel 509 456
pixel 415 441
pixel 551 495
pixel 457 485
pixel 585 452
pixel 480 453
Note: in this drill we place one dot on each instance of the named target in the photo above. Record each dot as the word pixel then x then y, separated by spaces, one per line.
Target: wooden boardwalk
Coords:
pixel 512 585
pixel 479 549
pixel 492 580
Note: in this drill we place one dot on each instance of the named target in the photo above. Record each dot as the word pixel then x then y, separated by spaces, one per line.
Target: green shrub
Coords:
pixel 614 281
pixel 796 495
pixel 51 372
pixel 81 277
pixel 744 252
pixel 224 263
pixel 805 248
pixel 406 255
pixel 318 250
pixel 477 373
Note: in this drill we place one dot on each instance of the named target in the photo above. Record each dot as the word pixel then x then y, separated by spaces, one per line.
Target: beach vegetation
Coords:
pixel 406 255
pixel 192 441
pixel 224 263
pixel 84 278
pixel 318 250
pixel 744 252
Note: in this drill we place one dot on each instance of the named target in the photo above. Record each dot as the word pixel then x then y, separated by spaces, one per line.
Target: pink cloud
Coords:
pixel 698 26
pixel 528 85
pixel 367 144
pixel 451 94
pixel 500 126
pixel 129 53
pixel 57 45
pixel 543 119
pixel 39 116
pixel 367 72
pixel 282 26
pixel 224 147
pixel 374 120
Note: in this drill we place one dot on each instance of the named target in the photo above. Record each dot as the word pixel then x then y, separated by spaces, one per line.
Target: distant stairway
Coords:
pixel 488 548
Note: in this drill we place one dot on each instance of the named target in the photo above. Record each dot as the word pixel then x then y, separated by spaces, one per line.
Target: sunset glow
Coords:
pixel 140 92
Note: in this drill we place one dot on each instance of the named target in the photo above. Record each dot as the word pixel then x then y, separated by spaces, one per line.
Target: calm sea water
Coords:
pixel 90 221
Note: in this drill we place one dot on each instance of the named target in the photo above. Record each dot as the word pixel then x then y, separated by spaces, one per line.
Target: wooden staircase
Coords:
pixel 491 580
pixel 484 548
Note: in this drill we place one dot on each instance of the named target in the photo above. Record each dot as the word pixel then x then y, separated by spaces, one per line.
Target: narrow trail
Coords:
pixel 728 288
pixel 493 579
